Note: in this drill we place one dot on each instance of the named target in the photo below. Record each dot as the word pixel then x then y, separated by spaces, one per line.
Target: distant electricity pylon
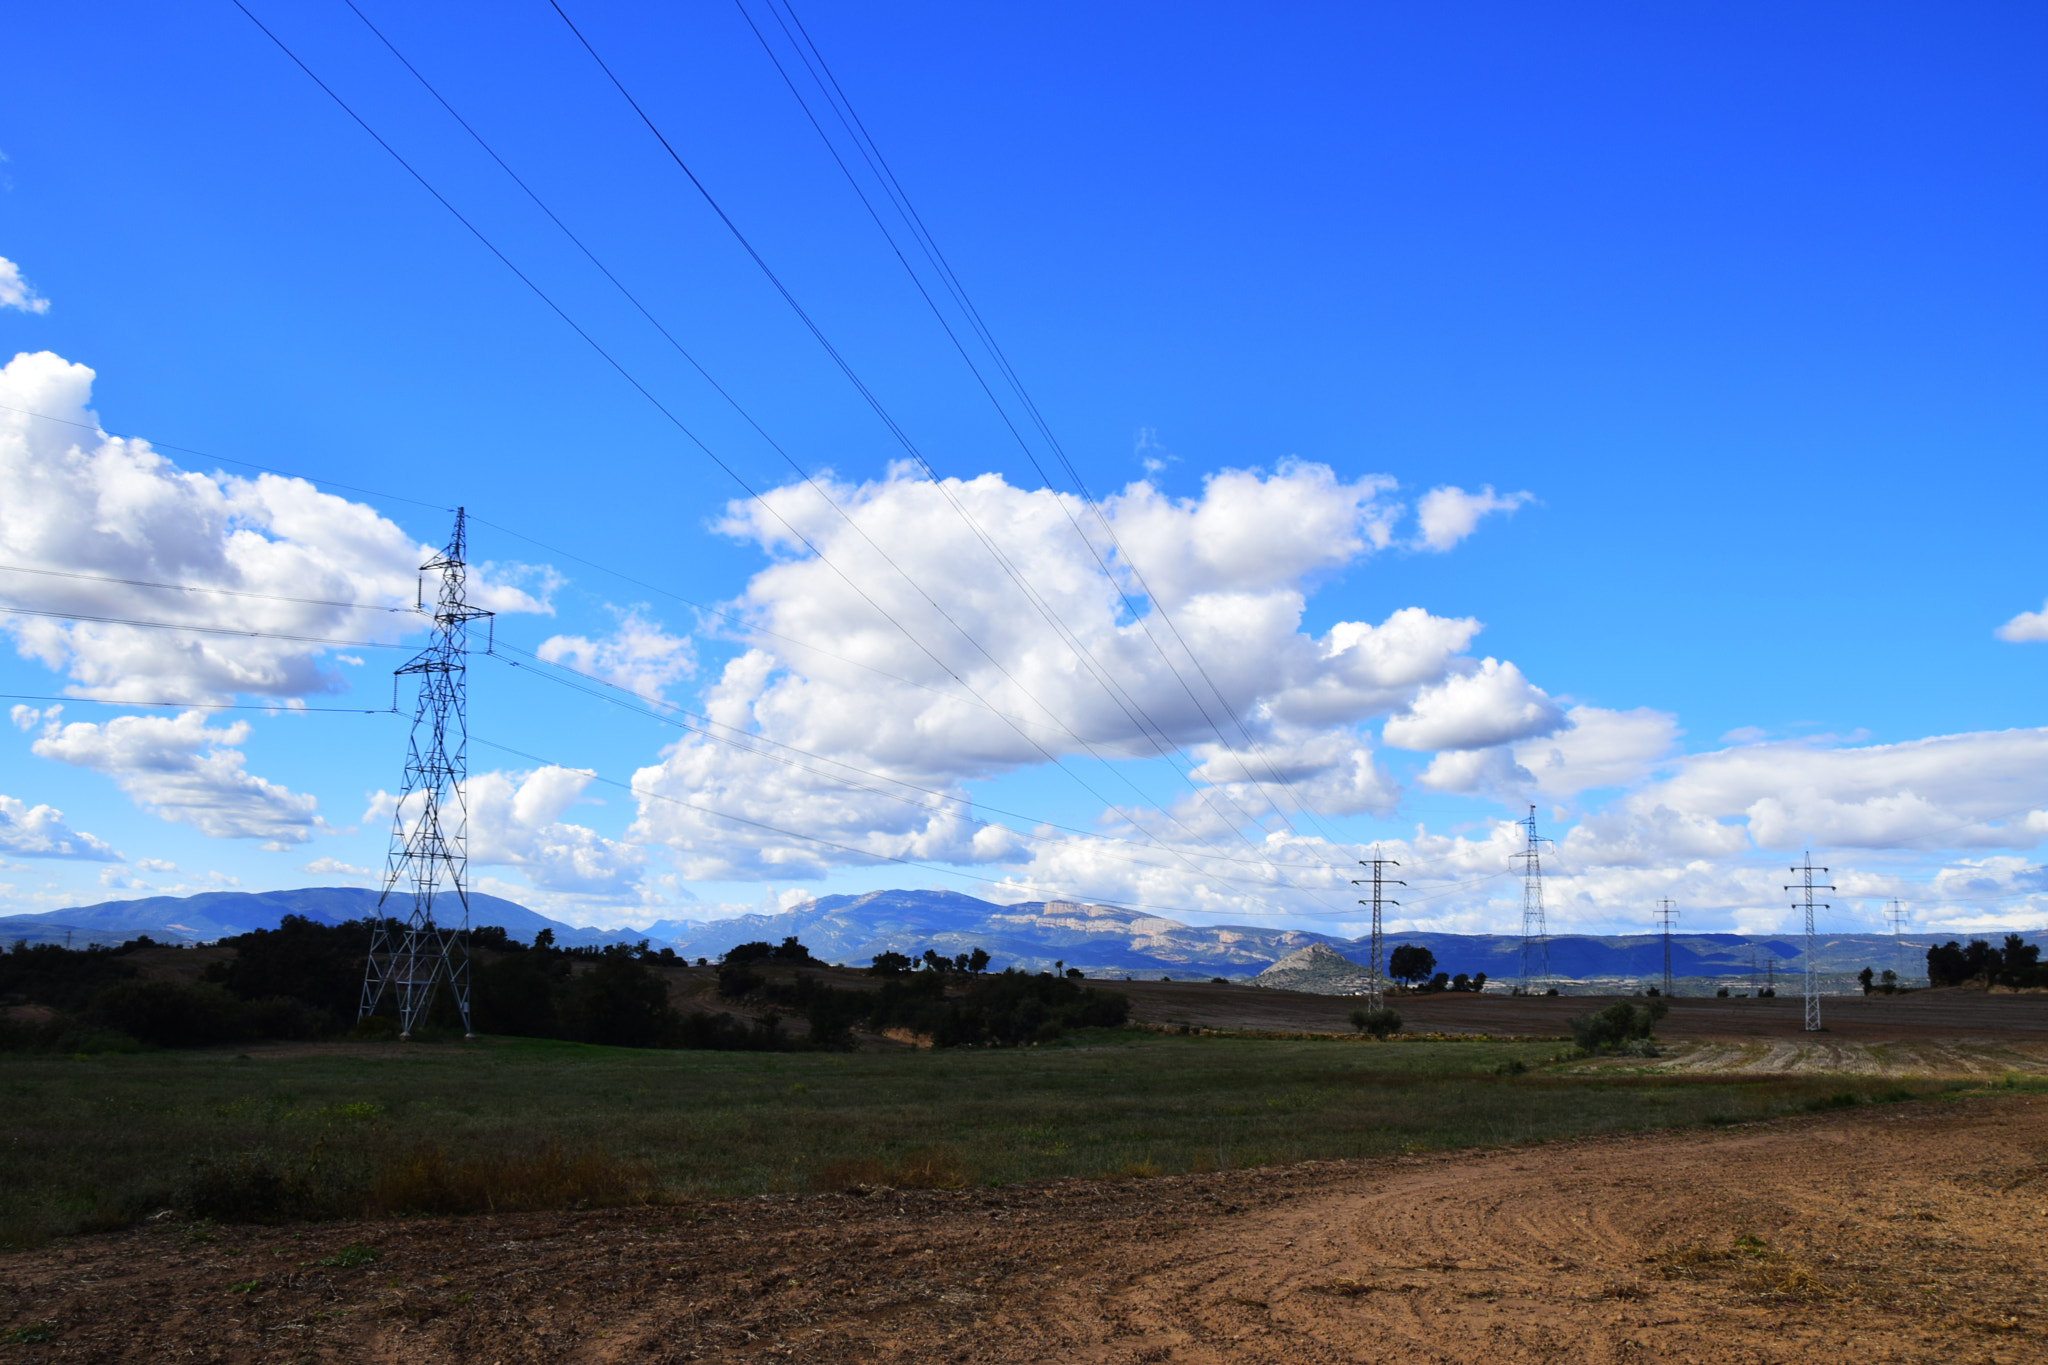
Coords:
pixel 1897 914
pixel 1667 913
pixel 1376 991
pixel 1535 936
pixel 1807 886
pixel 430 830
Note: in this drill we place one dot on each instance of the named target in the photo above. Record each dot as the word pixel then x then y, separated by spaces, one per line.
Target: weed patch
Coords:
pixel 427 1180
pixel 933 1168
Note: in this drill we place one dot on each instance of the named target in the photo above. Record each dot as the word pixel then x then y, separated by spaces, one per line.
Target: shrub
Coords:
pixel 723 1033
pixel 1617 1026
pixel 172 1013
pixel 428 1180
pixel 619 1002
pixel 1380 1023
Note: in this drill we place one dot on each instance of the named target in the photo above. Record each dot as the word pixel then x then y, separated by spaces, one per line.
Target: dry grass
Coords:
pixel 931 1168
pixel 428 1180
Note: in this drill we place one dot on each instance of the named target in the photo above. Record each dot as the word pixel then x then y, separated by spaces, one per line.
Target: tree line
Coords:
pixel 304 980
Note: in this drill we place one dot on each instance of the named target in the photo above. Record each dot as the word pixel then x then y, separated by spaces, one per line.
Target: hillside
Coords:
pixel 1101 940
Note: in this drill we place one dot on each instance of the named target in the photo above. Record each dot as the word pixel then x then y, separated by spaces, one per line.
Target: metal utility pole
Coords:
pixel 430 830
pixel 1667 913
pixel 1897 915
pixel 1807 885
pixel 1535 936
pixel 1376 991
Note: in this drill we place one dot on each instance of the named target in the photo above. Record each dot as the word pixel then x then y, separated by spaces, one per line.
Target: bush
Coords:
pixel 748 952
pixel 1380 1023
pixel 889 964
pixel 723 1033
pixel 1617 1026
pixel 172 1013
pixel 618 1002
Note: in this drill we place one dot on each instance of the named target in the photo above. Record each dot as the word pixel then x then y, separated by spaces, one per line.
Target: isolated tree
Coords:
pixel 889 964
pixel 791 951
pixel 977 961
pixel 1410 962
pixel 1867 977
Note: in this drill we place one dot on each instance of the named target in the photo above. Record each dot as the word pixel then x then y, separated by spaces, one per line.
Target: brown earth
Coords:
pixel 1916 1015
pixel 1907 1232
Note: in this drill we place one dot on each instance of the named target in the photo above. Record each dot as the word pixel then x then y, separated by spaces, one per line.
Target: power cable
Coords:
pixel 939 868
pixel 674 420
pixel 871 152
pixel 265 469
pixel 202 630
pixel 283 708
pixel 988 542
pixel 750 742
pixel 222 592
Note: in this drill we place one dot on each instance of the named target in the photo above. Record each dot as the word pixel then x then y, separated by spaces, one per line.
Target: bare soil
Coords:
pixel 1926 1015
pixel 1908 1232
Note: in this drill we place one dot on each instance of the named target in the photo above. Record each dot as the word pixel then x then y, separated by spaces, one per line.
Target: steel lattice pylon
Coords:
pixel 1376 989
pixel 1535 933
pixel 430 830
pixel 1808 886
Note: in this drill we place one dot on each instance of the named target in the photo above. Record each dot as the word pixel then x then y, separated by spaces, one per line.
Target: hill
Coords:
pixel 1101 940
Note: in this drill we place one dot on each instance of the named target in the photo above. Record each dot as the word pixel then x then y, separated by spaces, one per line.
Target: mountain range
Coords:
pixel 1035 935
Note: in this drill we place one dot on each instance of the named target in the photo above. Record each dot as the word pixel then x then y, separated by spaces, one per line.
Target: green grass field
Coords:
pixel 99 1142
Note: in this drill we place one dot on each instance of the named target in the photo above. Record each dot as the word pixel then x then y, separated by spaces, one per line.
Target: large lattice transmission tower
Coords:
pixel 429 854
pixel 1535 934
pixel 1376 990
pixel 1896 913
pixel 1667 912
pixel 1806 885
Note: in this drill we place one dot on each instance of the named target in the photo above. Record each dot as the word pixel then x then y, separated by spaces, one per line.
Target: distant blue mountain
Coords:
pixel 220 914
pixel 1101 940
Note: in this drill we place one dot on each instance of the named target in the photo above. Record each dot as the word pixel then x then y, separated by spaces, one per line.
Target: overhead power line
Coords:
pixel 849 119
pixel 987 540
pixel 611 360
pixel 202 630
pixel 218 592
pixel 668 713
pixel 277 707
pixel 941 869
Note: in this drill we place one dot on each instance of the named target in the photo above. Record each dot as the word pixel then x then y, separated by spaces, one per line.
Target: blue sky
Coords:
pixel 1749 303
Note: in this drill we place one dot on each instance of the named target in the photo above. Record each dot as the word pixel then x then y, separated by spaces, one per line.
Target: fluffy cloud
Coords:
pixel 184 772
pixel 1479 705
pixel 515 821
pixel 1949 791
pixel 16 292
pixel 40 832
pixel 2028 625
pixel 1067 669
pixel 1447 515
pixel 335 867
pixel 639 656
pixel 78 502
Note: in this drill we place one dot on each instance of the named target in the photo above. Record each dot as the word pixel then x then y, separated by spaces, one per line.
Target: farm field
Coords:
pixel 1901 1232
pixel 342 1129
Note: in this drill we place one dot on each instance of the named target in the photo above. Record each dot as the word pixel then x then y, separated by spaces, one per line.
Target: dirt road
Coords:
pixel 1908 1232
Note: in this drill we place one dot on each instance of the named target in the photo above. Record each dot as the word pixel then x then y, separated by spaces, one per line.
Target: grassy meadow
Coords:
pixel 98 1142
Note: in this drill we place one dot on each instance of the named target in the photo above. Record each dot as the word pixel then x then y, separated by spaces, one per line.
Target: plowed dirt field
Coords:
pixel 1908 1232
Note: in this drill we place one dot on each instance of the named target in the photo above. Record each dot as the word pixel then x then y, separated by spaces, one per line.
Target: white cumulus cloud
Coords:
pixel 639 656
pixel 515 821
pixel 183 771
pixel 1447 515
pixel 78 507
pixel 16 292
pixel 2025 627
pixel 1479 705
pixel 1081 666
pixel 40 832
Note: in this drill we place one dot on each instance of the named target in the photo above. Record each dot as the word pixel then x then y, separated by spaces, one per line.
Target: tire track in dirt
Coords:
pixel 1894 1233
